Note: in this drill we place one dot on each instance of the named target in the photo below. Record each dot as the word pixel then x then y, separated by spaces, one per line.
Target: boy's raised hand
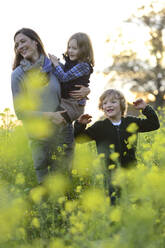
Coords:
pixel 140 104
pixel 84 119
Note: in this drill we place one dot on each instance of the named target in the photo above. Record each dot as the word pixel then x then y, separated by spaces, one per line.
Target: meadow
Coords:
pixel 74 211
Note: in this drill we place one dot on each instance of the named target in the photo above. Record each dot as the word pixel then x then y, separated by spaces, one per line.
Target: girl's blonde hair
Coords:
pixel 85 47
pixel 117 95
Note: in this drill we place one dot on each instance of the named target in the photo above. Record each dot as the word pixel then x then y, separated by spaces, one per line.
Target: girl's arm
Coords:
pixel 77 71
pixel 54 60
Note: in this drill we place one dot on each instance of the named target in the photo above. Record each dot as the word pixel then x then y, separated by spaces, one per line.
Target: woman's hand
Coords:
pixel 54 59
pixel 140 104
pixel 80 93
pixel 55 117
pixel 84 119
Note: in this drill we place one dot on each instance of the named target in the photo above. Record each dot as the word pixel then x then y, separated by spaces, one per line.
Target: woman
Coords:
pixel 36 98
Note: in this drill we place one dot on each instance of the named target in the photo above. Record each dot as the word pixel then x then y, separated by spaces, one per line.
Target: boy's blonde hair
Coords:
pixel 117 95
pixel 85 47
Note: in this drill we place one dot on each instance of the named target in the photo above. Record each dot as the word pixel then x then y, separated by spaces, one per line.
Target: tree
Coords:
pixel 146 74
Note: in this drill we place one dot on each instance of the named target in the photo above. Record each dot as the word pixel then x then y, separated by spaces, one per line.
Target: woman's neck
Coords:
pixel 35 57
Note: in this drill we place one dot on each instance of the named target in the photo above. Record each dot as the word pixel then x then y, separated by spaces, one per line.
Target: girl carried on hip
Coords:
pixel 79 62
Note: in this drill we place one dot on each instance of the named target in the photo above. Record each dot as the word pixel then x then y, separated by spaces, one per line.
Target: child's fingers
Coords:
pixel 140 104
pixel 138 101
pixel 51 56
pixel 78 86
pixel 63 111
pixel 86 116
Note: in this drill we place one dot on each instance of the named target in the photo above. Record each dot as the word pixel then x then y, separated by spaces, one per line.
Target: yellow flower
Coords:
pixel 35 222
pixel 132 128
pixel 61 199
pixel 114 156
pixel 37 194
pixel 20 179
pixel 115 215
pixel 57 243
pixel 99 176
pixel 73 230
pixel 111 167
pixel 132 139
pixel 74 172
pixel 57 185
pixel 79 226
pixel 101 155
pixel 70 206
pixel 78 189
pixel 73 219
pixel 63 213
pixel 94 200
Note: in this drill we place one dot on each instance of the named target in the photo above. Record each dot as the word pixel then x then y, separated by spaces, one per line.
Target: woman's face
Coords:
pixel 26 47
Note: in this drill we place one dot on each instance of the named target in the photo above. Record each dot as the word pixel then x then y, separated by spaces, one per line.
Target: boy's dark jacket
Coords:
pixel 106 134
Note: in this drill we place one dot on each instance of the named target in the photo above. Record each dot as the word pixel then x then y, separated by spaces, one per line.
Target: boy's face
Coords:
pixel 111 108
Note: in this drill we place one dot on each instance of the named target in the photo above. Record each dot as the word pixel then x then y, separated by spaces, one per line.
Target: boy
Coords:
pixel 117 131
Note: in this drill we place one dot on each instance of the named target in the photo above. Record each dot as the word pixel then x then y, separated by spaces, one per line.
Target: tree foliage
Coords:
pixel 145 74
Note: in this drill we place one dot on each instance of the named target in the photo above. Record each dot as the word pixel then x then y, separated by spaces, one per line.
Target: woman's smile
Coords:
pixel 26 47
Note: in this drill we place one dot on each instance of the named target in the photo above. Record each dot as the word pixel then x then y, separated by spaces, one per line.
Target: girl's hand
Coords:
pixel 140 104
pixel 54 59
pixel 80 93
pixel 55 117
pixel 84 119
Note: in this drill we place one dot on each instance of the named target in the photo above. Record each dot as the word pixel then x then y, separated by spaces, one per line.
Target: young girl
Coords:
pixel 79 62
pixel 117 133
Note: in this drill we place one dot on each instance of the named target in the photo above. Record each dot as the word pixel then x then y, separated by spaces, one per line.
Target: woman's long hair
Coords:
pixel 33 36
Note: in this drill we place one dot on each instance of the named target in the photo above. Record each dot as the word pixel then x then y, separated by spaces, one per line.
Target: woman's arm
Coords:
pixel 81 93
pixel 55 117
pixel 17 91
pixel 20 104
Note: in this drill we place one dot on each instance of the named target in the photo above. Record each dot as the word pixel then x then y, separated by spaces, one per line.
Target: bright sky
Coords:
pixel 55 21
